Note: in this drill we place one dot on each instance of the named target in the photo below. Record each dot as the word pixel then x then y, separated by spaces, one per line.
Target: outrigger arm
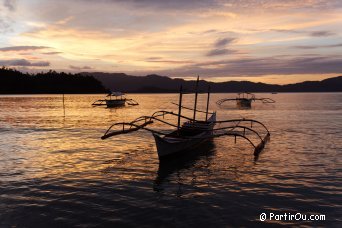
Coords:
pixel 265 100
pixel 142 122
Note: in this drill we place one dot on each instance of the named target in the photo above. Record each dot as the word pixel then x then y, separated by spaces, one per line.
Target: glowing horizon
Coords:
pixel 271 41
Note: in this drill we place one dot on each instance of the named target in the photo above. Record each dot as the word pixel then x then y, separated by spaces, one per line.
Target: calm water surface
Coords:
pixel 55 171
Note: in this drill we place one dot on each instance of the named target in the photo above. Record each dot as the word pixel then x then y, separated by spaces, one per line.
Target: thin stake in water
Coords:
pixel 196 93
pixel 63 105
pixel 179 107
pixel 208 98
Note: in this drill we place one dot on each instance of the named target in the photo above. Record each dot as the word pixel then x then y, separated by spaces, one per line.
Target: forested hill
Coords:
pixel 15 82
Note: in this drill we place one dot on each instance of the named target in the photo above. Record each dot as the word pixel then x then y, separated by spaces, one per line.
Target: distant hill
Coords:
pixel 15 82
pixel 163 84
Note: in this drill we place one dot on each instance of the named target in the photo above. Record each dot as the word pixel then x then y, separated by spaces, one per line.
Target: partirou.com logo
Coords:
pixel 291 217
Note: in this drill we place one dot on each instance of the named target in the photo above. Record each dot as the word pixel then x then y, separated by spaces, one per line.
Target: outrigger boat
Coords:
pixel 244 100
pixel 193 132
pixel 116 99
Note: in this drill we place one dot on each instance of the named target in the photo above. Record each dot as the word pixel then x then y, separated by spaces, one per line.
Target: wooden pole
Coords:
pixel 196 93
pixel 63 105
pixel 179 107
pixel 208 98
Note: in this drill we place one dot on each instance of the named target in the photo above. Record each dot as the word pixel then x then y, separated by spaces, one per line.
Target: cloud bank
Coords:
pixel 23 62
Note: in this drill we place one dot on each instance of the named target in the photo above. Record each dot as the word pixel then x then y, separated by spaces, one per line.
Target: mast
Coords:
pixel 179 107
pixel 206 113
pixel 196 93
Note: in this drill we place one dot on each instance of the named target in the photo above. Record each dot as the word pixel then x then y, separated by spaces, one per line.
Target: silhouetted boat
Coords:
pixel 116 99
pixel 189 136
pixel 192 132
pixel 244 100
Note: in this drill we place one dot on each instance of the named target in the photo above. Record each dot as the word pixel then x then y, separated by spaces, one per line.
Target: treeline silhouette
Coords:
pixel 16 82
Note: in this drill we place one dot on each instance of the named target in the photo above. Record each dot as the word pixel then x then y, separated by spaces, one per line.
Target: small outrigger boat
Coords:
pixel 244 100
pixel 116 99
pixel 193 132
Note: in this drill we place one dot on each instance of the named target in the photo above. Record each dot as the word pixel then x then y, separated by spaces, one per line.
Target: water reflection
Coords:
pixel 56 171
pixel 254 106
pixel 199 158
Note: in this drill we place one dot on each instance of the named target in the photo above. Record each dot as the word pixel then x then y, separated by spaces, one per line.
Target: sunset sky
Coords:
pixel 268 40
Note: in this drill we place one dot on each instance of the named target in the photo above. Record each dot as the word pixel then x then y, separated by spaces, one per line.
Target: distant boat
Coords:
pixel 116 99
pixel 244 100
pixel 193 132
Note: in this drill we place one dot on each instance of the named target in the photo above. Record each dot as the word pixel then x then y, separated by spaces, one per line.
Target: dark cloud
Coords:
pixel 322 33
pixel 285 4
pixel 318 46
pixel 219 47
pixel 285 30
pixel 5 25
pixel 223 42
pixel 80 68
pixel 161 60
pixel 210 31
pixel 174 4
pixel 23 62
pixel 153 59
pixel 10 4
pixel 215 32
pixel 310 33
pixel 52 53
pixel 305 47
pixel 334 45
pixel 223 51
pixel 229 4
pixel 6 20
pixel 22 48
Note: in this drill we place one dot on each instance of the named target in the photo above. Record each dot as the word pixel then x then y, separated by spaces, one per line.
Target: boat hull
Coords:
pixel 167 147
pixel 115 103
pixel 172 144
pixel 244 103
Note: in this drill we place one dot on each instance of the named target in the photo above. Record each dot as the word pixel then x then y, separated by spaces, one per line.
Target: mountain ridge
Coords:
pixel 162 84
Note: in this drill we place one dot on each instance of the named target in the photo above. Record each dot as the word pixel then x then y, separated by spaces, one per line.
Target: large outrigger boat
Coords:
pixel 244 100
pixel 192 132
pixel 115 99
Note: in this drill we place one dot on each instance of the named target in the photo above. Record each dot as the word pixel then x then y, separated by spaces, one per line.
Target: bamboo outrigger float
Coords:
pixel 192 132
pixel 244 100
pixel 116 99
